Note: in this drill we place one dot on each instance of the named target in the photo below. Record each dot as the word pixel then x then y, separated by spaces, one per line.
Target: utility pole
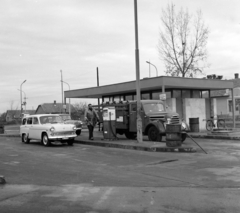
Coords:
pixel 98 98
pixel 62 88
pixel 139 119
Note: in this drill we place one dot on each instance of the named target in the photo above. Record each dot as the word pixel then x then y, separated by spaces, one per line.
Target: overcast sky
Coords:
pixel 41 37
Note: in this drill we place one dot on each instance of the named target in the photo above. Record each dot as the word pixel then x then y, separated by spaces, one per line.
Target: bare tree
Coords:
pixel 182 42
pixel 14 110
pixel 80 109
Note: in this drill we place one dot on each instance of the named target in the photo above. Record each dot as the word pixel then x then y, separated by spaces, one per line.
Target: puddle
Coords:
pixel 162 162
pixel 12 163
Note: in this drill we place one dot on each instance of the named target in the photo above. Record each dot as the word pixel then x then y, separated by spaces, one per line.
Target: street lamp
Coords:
pixel 69 98
pixel 21 94
pixel 152 65
pixel 24 103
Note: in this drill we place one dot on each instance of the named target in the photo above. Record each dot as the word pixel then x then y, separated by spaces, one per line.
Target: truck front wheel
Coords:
pixel 184 136
pixel 154 134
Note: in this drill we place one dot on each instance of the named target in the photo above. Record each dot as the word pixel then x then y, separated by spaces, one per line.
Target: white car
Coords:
pixel 47 128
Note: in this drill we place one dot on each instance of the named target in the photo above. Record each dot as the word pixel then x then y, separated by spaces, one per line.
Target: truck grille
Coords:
pixel 174 119
pixel 152 118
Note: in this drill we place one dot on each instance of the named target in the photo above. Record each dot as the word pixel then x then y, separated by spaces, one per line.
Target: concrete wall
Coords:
pixel 195 108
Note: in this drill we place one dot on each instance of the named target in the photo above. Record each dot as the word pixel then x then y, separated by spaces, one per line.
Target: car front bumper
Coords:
pixel 70 135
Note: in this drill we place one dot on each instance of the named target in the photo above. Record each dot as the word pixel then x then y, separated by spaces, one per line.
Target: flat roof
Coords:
pixel 147 84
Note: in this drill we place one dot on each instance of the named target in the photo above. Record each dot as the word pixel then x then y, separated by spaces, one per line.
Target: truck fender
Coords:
pixel 157 124
pixel 184 126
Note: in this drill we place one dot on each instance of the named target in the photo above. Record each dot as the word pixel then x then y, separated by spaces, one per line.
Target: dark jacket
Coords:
pixel 91 117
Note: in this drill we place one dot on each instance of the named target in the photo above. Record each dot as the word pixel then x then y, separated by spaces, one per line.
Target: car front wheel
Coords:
pixel 78 132
pixel 45 140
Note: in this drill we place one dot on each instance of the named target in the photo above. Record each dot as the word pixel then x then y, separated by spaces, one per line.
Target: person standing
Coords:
pixel 91 118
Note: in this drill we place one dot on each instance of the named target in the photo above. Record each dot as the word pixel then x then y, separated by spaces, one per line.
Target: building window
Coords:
pixel 237 105
pixel 186 94
pixel 156 95
pixel 145 96
pixel 128 97
pixel 105 99
pixel 176 93
pixel 196 94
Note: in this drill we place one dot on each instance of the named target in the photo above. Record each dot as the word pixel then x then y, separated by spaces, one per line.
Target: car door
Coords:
pixel 35 132
pixel 26 125
pixel 23 126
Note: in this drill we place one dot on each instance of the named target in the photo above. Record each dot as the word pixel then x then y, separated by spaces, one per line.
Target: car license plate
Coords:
pixel 65 138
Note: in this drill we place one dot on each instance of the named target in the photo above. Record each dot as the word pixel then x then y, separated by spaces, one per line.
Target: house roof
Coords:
pixel 17 113
pixel 55 108
pixel 236 82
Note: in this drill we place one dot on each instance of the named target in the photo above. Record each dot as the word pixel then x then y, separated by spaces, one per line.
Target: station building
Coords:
pixel 189 97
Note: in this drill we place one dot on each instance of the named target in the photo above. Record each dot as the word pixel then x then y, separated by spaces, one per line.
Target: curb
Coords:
pixel 217 137
pixel 154 148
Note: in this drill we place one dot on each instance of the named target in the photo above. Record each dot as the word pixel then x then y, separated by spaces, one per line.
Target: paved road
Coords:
pixel 94 179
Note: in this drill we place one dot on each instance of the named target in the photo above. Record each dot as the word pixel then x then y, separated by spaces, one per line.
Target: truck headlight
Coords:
pixel 168 120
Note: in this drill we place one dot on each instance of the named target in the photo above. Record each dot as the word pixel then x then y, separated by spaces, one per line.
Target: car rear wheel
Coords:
pixel 154 134
pixel 70 142
pixel 45 140
pixel 25 138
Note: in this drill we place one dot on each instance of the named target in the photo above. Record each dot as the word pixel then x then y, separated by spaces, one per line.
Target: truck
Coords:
pixel 155 116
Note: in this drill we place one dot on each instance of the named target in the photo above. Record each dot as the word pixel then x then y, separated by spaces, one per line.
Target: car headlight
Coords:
pixel 74 128
pixel 52 129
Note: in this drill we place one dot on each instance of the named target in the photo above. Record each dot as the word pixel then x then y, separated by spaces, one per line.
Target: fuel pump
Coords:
pixel 109 122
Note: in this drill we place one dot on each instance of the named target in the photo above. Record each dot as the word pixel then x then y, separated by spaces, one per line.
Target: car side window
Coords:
pixel 24 121
pixel 29 121
pixel 35 120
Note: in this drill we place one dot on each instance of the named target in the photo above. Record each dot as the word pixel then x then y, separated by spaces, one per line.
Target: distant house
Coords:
pixel 222 99
pixel 54 108
pixel 16 114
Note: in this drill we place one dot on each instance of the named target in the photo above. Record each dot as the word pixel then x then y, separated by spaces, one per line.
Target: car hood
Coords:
pixel 60 127
pixel 74 122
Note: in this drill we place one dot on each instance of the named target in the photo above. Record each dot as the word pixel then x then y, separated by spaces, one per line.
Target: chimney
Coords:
pixel 236 75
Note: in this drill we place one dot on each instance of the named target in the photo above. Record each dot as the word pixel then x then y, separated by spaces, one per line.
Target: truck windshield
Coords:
pixel 153 107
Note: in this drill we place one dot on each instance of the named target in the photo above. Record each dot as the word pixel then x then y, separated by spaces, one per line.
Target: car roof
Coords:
pixel 39 115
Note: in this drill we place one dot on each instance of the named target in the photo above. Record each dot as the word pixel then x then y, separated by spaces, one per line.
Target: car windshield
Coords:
pixel 65 117
pixel 50 119
pixel 153 107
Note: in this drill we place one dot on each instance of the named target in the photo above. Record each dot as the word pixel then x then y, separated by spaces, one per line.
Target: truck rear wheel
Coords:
pixel 154 134
pixel 130 135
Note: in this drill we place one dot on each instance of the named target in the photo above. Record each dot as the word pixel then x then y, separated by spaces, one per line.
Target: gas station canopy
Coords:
pixel 147 84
